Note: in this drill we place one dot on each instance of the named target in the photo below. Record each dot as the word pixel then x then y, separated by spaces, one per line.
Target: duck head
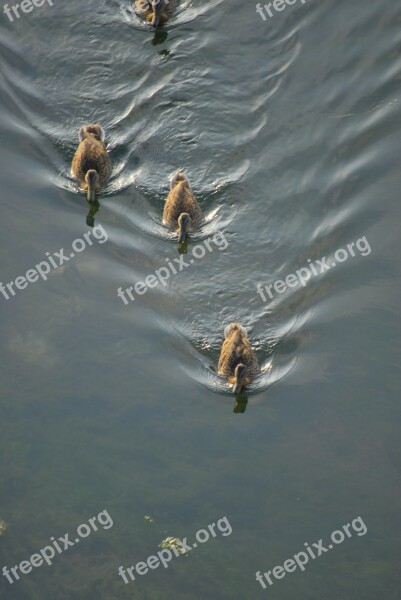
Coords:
pixel 184 225
pixel 240 373
pixel 158 7
pixel 92 181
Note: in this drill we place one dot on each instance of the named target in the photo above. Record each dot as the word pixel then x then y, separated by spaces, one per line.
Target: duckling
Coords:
pixel 91 164
pixel 156 12
pixel 181 209
pixel 237 361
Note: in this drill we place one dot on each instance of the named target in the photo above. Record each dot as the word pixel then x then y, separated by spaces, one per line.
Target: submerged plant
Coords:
pixel 3 527
pixel 169 543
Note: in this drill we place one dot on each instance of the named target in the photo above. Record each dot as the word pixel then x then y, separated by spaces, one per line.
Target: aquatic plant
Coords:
pixel 169 543
pixel 3 527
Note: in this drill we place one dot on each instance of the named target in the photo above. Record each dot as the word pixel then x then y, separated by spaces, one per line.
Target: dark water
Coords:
pixel 289 132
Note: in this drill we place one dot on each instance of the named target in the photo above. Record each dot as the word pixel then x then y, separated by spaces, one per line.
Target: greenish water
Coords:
pixel 289 133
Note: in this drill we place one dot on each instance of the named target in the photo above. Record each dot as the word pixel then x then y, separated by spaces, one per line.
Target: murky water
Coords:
pixel 289 132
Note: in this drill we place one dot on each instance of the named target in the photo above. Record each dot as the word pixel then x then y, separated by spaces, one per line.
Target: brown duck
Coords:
pixel 181 209
pixel 237 362
pixel 156 12
pixel 91 164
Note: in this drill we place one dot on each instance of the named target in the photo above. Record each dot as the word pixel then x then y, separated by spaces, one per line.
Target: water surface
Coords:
pixel 289 132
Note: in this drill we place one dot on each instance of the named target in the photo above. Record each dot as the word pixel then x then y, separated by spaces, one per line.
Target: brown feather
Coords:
pixel 181 200
pixel 144 8
pixel 91 154
pixel 236 349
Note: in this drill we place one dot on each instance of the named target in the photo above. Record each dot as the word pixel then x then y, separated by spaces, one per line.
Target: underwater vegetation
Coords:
pixel 169 543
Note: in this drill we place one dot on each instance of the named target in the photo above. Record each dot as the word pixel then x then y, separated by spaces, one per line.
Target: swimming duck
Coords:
pixel 181 209
pixel 237 361
pixel 91 164
pixel 156 12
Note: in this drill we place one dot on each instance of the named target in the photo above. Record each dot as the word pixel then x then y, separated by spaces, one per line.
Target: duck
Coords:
pixel 156 12
pixel 91 164
pixel 237 362
pixel 181 209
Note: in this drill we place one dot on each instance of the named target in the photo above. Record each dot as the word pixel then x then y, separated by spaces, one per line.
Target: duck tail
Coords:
pixel 235 327
pixel 82 134
pixel 176 178
pixel 96 130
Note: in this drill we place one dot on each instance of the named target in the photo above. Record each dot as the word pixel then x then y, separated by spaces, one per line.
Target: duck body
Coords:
pixel 181 209
pixel 156 12
pixel 91 164
pixel 237 362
